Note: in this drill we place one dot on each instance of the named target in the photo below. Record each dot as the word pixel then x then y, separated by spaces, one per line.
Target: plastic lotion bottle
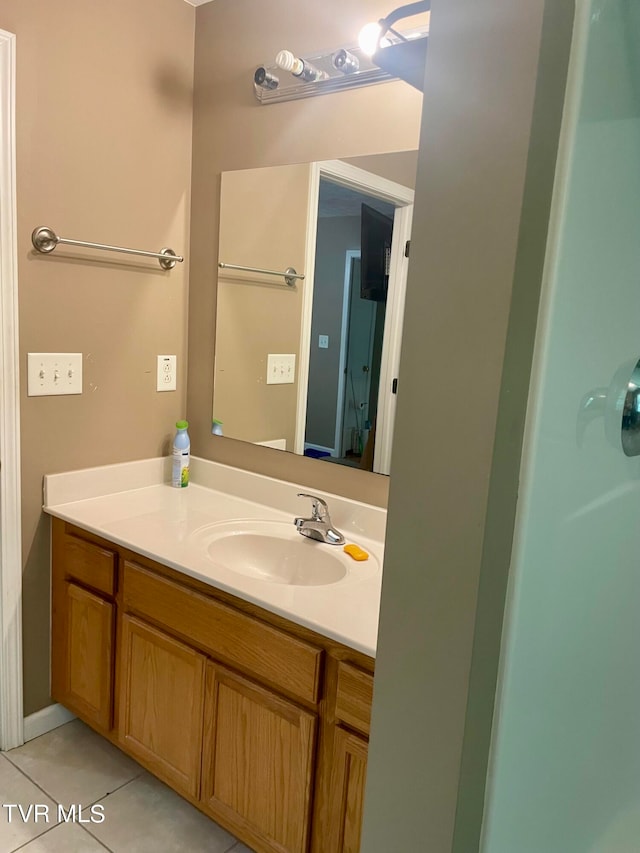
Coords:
pixel 181 449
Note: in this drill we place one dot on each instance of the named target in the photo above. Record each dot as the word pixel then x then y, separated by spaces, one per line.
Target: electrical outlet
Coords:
pixel 323 341
pixel 166 373
pixel 53 373
pixel 281 368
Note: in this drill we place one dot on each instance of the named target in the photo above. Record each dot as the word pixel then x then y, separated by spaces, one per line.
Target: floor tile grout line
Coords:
pixel 33 782
pixel 35 838
pixel 57 802
pixel 95 838
pixel 115 790
pixel 51 828
pixel 124 785
pixel 23 772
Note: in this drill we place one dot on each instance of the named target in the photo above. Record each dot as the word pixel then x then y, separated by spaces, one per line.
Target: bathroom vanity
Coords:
pixel 228 689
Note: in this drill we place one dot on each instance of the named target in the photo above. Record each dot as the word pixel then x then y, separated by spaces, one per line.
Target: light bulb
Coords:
pixel 299 67
pixel 344 61
pixel 265 79
pixel 369 38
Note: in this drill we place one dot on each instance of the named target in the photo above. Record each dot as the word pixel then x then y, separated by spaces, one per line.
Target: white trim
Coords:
pixel 46 720
pixel 358 179
pixel 306 308
pixel 392 339
pixel 11 723
pixel 350 255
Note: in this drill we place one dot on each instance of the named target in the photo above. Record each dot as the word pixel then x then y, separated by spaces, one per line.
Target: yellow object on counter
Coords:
pixel 356 553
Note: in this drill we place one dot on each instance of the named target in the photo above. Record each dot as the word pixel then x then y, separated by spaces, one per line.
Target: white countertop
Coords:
pixel 132 505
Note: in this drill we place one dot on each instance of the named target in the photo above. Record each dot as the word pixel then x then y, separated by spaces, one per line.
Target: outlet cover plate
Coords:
pixel 54 373
pixel 166 373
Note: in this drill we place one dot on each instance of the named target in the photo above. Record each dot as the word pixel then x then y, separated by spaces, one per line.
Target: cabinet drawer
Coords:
pixel 354 696
pixel 90 564
pixel 227 634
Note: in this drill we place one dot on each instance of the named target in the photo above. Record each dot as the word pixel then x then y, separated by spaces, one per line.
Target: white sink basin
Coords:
pixel 274 552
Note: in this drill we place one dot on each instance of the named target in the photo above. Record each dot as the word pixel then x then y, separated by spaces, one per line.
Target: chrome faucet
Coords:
pixel 319 526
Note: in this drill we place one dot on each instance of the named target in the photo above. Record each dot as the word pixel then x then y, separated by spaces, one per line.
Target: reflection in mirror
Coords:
pixel 311 365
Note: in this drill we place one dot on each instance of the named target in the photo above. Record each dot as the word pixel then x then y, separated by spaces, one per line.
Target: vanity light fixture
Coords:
pixel 384 54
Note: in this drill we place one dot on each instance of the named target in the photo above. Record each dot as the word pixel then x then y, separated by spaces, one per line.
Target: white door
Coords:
pixel 565 764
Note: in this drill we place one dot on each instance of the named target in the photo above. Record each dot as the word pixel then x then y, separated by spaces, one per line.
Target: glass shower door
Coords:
pixel 564 773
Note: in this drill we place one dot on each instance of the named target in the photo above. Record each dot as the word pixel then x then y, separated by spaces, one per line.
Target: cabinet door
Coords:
pixel 161 702
pixel 348 777
pixel 82 666
pixel 257 762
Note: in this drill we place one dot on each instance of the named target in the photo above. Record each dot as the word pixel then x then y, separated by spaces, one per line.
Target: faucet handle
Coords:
pixel 319 508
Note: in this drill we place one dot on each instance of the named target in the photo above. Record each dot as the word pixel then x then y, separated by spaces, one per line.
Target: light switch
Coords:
pixel 53 373
pixel 281 368
pixel 323 341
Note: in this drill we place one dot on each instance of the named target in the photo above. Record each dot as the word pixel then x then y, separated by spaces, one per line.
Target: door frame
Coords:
pixel 350 254
pixel 358 179
pixel 392 340
pixel 11 706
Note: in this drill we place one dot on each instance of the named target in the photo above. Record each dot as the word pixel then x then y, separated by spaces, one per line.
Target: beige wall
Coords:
pixel 494 88
pixel 104 110
pixel 399 167
pixel 233 131
pixel 263 224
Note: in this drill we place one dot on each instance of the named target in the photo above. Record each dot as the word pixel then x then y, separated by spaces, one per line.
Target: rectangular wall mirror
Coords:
pixel 310 365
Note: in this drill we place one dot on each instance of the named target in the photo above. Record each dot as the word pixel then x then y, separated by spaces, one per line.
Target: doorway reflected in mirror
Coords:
pixel 309 365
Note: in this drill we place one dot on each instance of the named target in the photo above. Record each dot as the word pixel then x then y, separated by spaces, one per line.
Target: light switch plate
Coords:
pixel 281 368
pixel 166 380
pixel 54 373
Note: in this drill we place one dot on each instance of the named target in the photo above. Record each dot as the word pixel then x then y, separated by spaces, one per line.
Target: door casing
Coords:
pixel 11 707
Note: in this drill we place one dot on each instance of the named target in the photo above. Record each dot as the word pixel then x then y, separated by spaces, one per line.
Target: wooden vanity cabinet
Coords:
pixel 83 628
pixel 257 764
pixel 260 723
pixel 347 773
pixel 342 762
pixel 161 704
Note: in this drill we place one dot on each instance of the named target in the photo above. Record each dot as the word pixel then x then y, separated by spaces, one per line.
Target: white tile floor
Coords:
pixel 74 765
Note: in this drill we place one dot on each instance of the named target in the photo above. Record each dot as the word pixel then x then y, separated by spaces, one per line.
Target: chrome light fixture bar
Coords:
pixel 291 88
pixel 341 69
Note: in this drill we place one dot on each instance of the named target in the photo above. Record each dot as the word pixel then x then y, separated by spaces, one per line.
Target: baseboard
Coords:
pixel 45 720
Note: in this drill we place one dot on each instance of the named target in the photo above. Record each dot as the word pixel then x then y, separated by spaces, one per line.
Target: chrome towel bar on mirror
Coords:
pixel 289 275
pixel 45 240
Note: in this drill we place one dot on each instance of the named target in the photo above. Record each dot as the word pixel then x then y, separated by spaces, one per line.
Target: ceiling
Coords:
pixel 336 200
